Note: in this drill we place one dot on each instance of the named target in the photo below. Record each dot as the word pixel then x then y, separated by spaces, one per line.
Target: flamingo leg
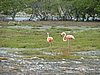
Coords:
pixel 50 45
pixel 69 45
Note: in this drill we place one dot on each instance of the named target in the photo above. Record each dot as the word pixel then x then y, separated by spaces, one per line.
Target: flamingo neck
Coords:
pixel 47 34
pixel 64 37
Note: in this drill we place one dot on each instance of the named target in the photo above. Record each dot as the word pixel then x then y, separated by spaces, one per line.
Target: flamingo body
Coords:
pixel 67 37
pixel 70 37
pixel 49 39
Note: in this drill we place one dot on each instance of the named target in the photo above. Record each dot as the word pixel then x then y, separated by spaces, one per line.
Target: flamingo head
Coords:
pixel 47 33
pixel 63 33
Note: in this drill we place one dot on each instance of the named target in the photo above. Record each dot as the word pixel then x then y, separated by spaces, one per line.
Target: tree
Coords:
pixel 11 7
pixel 85 8
pixel 64 9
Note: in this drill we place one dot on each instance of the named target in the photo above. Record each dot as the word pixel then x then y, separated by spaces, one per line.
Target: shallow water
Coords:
pixel 16 65
pixel 20 18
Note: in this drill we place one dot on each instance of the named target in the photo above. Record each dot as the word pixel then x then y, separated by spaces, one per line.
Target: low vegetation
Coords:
pixel 3 58
pixel 29 38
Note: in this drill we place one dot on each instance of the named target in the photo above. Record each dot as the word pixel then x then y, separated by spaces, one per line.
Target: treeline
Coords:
pixel 79 10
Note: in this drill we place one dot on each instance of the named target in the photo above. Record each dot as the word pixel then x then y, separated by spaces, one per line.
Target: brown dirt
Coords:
pixel 68 23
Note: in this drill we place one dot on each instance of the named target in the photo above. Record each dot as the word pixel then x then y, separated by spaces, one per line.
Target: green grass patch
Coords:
pixel 3 58
pixel 29 38
pixel 23 38
pixel 59 57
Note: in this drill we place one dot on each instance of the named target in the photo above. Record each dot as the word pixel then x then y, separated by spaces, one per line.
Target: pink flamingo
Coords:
pixel 49 39
pixel 67 38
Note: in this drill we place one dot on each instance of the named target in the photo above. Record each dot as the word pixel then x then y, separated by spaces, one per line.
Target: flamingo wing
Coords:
pixel 49 39
pixel 70 37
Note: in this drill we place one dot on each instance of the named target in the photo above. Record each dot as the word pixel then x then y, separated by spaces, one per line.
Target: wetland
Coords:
pixel 25 51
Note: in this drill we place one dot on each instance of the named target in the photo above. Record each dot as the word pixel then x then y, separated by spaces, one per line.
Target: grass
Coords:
pixel 88 40
pixel 29 38
pixel 3 58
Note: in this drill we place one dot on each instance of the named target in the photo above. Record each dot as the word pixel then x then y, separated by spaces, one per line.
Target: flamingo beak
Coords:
pixel 61 35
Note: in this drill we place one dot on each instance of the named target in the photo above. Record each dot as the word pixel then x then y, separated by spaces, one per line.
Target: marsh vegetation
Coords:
pixel 87 36
pixel 24 49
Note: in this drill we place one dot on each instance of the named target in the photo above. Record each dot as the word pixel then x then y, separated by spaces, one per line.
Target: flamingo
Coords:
pixel 67 38
pixel 49 39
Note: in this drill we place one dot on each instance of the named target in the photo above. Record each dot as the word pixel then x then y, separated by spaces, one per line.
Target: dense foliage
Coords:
pixel 53 9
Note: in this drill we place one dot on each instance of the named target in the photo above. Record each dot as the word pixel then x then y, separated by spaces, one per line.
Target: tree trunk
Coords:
pixel 76 15
pixel 93 17
pixel 13 16
pixel 83 17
